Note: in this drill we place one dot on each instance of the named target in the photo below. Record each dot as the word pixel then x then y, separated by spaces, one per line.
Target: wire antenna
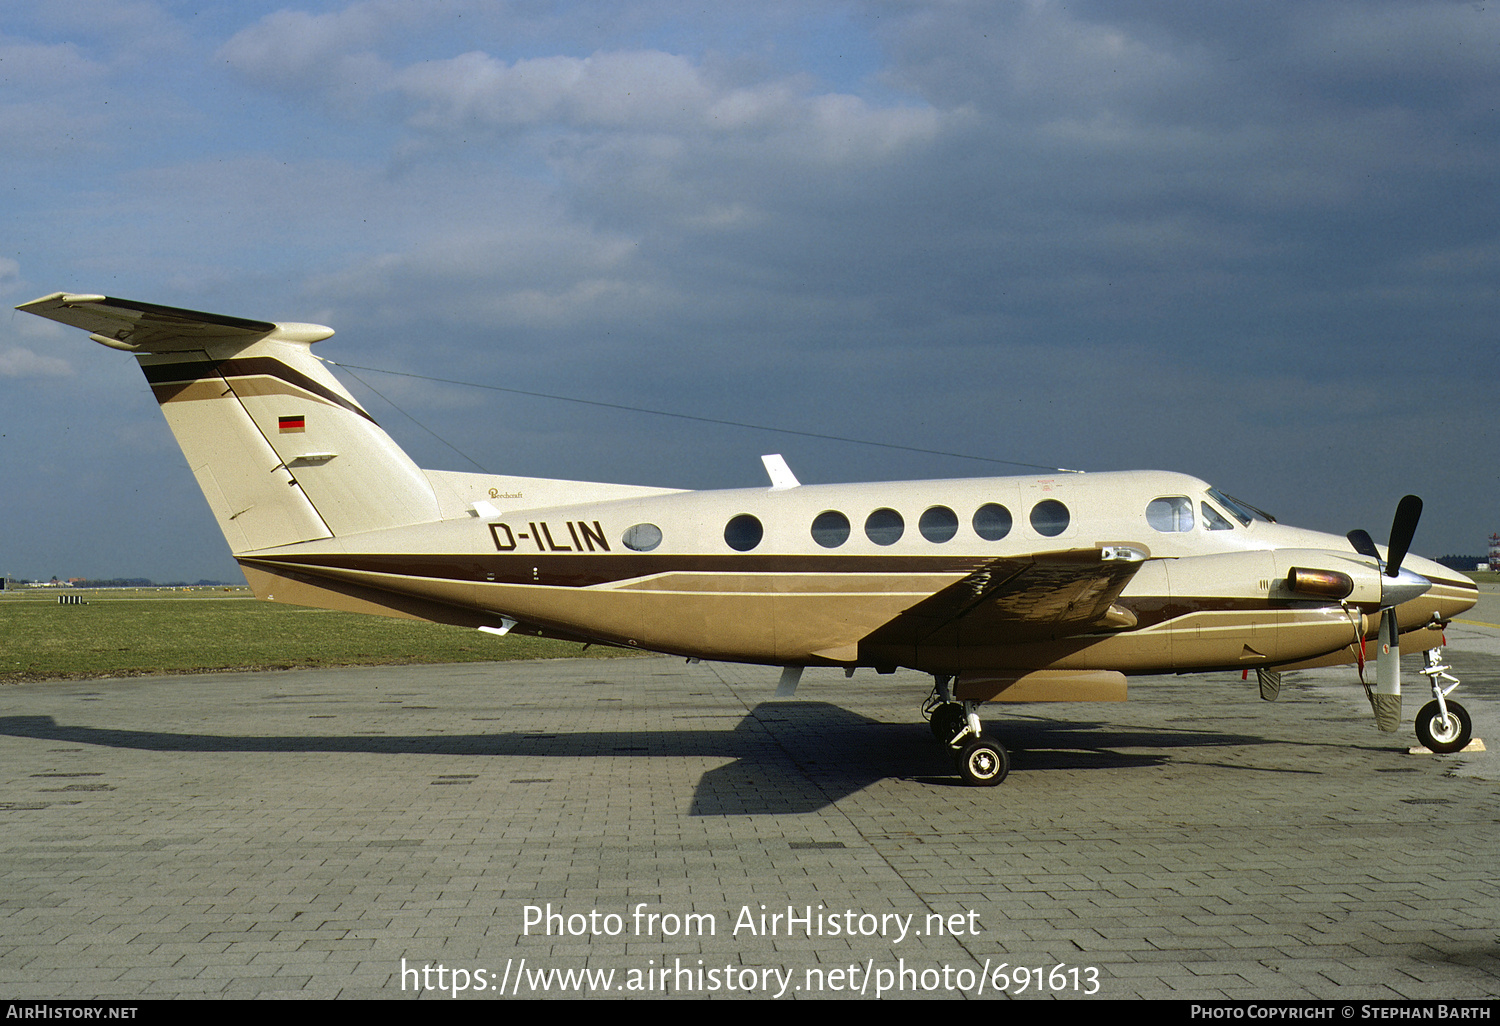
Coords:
pixel 679 416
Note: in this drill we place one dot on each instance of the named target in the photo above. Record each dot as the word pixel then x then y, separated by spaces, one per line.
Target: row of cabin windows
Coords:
pixel 884 526
pixel 1169 514
pixel 937 524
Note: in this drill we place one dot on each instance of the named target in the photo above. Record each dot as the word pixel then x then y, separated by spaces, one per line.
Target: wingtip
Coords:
pixel 62 299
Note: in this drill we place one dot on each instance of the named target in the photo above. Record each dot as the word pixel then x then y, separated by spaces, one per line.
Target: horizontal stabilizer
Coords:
pixel 148 328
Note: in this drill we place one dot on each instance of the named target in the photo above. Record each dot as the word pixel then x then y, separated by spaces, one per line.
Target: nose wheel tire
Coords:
pixel 1444 735
pixel 983 763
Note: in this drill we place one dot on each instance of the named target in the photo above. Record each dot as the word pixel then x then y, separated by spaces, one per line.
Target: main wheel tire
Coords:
pixel 983 763
pixel 1440 735
pixel 947 720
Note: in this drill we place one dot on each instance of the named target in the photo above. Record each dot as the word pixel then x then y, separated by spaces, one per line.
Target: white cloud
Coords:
pixel 16 362
pixel 44 67
pixel 642 90
pixel 326 55
pixel 41 91
pixel 649 91
pixel 336 58
pixel 297 45
pixel 511 275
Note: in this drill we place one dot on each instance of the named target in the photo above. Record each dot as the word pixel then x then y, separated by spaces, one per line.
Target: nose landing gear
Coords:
pixel 1442 726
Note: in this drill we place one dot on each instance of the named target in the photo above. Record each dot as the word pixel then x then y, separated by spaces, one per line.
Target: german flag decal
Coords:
pixel 289 424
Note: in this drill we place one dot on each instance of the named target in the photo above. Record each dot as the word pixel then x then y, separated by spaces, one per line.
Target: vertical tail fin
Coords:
pixel 282 451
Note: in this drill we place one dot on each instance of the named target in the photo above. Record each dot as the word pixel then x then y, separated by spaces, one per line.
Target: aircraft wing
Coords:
pixel 146 327
pixel 1012 600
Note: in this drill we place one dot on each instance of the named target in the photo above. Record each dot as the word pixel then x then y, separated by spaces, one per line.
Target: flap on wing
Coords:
pixel 1018 599
pixel 149 328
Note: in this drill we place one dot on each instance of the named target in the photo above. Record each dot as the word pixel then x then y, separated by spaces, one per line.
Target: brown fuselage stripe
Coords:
pixel 582 571
pixel 164 376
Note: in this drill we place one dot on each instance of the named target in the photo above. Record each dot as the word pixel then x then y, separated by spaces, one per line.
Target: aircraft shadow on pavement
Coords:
pixel 786 757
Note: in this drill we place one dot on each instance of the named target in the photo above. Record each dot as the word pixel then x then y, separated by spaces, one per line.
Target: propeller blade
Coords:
pixel 1403 528
pixel 1395 588
pixel 1363 543
pixel 1385 700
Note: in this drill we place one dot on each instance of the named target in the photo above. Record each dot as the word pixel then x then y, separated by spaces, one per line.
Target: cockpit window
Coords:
pixel 1212 520
pixel 1170 513
pixel 1242 512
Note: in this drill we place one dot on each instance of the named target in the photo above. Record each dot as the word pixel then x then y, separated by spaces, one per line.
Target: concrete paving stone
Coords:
pixel 282 987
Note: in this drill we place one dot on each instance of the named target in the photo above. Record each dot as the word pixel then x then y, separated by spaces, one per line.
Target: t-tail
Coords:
pixel 282 451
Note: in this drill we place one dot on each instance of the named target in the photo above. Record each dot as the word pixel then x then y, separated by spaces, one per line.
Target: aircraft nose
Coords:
pixel 1451 594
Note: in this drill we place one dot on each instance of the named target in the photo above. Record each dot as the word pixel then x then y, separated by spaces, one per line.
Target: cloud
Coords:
pixel 131 23
pixel 336 59
pixel 43 68
pixel 507 277
pixel 41 91
pixel 647 90
pixel 650 94
pixel 16 362
pixel 322 55
pixel 297 47
pixel 1443 52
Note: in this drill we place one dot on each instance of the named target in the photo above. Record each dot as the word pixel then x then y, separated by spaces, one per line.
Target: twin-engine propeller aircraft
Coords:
pixel 1014 589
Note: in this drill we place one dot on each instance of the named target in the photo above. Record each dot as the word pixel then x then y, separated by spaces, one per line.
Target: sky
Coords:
pixel 1254 242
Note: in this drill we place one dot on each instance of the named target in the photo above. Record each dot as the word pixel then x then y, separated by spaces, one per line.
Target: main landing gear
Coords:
pixel 981 763
pixel 1442 726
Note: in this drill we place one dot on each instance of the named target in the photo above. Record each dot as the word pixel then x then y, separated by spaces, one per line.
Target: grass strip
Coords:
pixel 110 637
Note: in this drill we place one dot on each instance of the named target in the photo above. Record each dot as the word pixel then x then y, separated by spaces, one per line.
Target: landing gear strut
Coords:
pixel 1442 726
pixel 981 762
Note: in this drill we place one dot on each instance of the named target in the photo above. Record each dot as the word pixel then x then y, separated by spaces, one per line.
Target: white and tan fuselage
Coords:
pixel 1200 599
